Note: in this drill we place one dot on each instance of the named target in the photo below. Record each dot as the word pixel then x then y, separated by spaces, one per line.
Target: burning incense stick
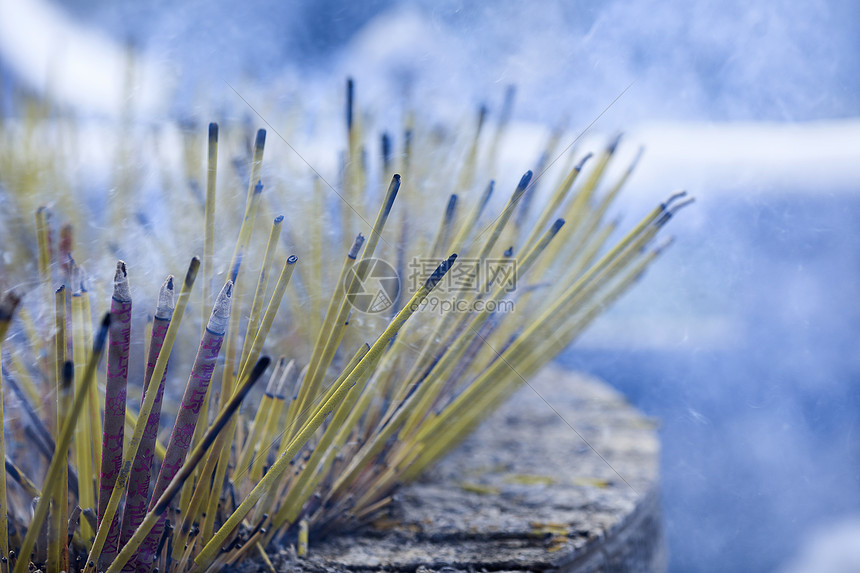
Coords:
pixel 115 393
pixel 138 481
pixel 186 419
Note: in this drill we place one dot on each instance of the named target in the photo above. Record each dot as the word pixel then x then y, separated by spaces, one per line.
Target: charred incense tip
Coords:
pixel 101 337
pixel 452 206
pixel 524 181
pixel 192 272
pixel 440 271
pixel 350 98
pixel 8 303
pixel 392 193
pixel 278 220
pixel 166 302
pixel 68 374
pixel 260 142
pixel 213 131
pixel 292 259
pixel 582 161
pixel 61 289
pixel 386 148
pixel 482 116
pixel 234 272
pixel 672 198
pixel 488 192
pixel 670 208
pixel 356 246
pixel 613 144
pixel 509 252
pixel 121 291
pixel 221 311
pixel 559 223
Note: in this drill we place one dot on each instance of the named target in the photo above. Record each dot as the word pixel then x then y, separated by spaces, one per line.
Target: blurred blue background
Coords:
pixel 745 343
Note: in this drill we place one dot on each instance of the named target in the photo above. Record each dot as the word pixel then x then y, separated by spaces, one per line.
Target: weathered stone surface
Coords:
pixel 526 492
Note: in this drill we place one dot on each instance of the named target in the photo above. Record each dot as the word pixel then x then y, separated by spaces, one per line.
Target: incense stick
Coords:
pixel 115 393
pixel 139 480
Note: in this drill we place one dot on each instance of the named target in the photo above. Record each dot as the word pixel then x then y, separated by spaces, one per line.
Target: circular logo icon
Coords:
pixel 371 286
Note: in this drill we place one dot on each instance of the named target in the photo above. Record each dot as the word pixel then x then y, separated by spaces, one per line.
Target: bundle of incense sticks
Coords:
pixel 395 333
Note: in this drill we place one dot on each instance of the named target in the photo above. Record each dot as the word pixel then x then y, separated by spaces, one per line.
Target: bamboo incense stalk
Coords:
pixel 467 227
pixel 58 552
pixel 467 172
pixel 209 219
pixel 95 417
pixel 83 439
pixel 43 238
pixel 442 235
pixel 547 157
pixel 260 292
pixel 255 188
